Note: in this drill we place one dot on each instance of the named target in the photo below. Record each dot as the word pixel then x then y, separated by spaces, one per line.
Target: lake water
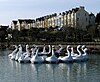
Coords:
pixel 12 71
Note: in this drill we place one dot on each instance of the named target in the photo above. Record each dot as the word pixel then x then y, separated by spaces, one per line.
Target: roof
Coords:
pixel 26 20
pixel 75 9
pixel 14 21
pixel 91 14
pixel 5 27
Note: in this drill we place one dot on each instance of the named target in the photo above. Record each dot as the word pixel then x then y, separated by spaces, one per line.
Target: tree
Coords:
pixel 3 34
pixel 97 20
pixel 15 34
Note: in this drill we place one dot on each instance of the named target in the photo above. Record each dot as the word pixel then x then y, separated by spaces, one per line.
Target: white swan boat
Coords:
pixel 52 58
pixel 19 53
pixel 37 59
pixel 25 57
pixel 13 54
pixel 78 57
pixel 68 58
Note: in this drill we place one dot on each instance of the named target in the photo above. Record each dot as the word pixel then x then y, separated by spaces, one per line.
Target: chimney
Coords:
pixel 82 7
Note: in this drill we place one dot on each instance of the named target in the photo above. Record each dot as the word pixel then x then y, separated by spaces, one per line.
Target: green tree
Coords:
pixel 97 20
pixel 3 34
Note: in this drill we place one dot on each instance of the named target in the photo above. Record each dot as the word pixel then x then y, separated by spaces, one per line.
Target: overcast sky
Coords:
pixel 16 9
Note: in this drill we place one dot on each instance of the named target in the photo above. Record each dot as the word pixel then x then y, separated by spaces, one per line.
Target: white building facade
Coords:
pixel 14 25
pixel 82 18
pixel 21 24
pixel 75 18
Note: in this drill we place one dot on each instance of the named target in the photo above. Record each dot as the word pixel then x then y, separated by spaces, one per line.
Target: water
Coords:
pixel 12 71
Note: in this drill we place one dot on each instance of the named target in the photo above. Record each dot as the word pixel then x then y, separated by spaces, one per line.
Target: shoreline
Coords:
pixel 93 47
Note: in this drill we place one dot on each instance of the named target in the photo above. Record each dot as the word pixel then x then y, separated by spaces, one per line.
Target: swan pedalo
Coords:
pixel 33 55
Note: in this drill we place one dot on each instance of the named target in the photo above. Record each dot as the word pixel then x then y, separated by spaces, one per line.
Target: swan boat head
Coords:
pixel 68 48
pixel 33 50
pixel 15 46
pixel 49 49
pixel 85 54
pixel 19 53
pixel 78 57
pixel 60 49
pixel 79 49
pixel 68 58
pixel 13 54
pixel 19 45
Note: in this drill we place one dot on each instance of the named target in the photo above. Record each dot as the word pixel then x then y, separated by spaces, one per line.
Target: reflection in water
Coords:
pixel 65 72
pixel 12 63
pixel 69 67
pixel 35 71
pixel 39 72
pixel 51 72
pixel 81 71
pixel 48 72
pixel 62 72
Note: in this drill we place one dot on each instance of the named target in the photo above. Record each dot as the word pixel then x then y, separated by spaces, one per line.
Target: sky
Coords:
pixel 32 9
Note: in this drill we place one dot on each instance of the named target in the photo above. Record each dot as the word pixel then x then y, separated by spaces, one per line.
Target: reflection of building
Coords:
pixel 76 18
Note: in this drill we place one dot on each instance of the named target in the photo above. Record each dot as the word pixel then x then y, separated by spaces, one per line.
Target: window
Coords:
pixel 54 20
pixel 85 14
pixel 62 21
pixel 57 22
pixel 89 21
pixel 49 23
pixel 79 14
pixel 77 19
pixel 86 19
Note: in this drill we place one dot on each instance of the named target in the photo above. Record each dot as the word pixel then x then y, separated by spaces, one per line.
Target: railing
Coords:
pixel 52 43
